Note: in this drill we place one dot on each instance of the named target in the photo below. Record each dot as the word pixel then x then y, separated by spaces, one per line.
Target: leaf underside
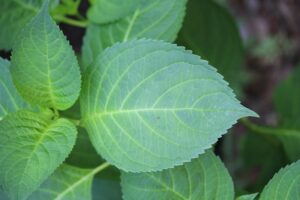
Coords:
pixel 32 147
pixel 204 178
pixel 149 105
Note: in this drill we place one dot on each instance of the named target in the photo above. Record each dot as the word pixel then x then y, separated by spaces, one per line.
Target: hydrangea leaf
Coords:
pixel 289 111
pixel 15 14
pixel 44 67
pixel 66 183
pixel 211 32
pixel 284 185
pixel 10 100
pixel 149 105
pixel 106 11
pixel 32 146
pixel 153 19
pixel 204 178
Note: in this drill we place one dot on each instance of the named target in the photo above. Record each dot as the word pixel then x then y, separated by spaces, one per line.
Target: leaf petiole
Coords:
pixel 70 21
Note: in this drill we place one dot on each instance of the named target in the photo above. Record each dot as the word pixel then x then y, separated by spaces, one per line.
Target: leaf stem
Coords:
pixel 73 22
pixel 100 168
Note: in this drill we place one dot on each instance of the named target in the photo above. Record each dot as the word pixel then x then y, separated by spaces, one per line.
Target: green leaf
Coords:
pixel 247 197
pixel 104 189
pixel 286 101
pixel 211 32
pixel 284 185
pixel 67 183
pixel 44 67
pixel 153 19
pixel 15 14
pixel 10 100
pixel 106 11
pixel 204 178
pixel 32 146
pixel 149 105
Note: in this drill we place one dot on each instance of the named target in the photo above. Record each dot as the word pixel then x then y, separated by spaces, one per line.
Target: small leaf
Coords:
pixel 284 185
pixel 106 11
pixel 211 32
pixel 104 189
pixel 204 178
pixel 15 14
pixel 153 19
pixel 44 67
pixel 68 183
pixel 10 100
pixel 32 146
pixel 149 105
pixel 247 196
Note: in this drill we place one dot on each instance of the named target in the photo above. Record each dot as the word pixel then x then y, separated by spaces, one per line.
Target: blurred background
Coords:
pixel 255 44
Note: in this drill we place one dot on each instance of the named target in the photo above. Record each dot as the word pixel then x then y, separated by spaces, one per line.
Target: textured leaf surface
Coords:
pixel 10 100
pixel 67 183
pixel 289 112
pixel 149 105
pixel 204 178
pixel 15 14
pixel 105 11
pixel 284 185
pixel 153 19
pixel 44 67
pixel 32 146
pixel 210 31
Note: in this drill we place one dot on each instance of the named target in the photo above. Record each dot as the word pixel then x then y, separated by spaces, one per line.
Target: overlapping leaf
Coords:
pixel 149 105
pixel 44 67
pixel 284 185
pixel 247 197
pixel 210 31
pixel 204 178
pixel 15 14
pixel 106 11
pixel 10 100
pixel 32 146
pixel 152 19
pixel 286 99
pixel 67 183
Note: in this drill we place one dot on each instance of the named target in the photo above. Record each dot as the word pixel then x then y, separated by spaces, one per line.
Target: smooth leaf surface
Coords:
pixel 149 105
pixel 10 100
pixel 204 178
pixel 284 185
pixel 66 183
pixel 104 189
pixel 15 14
pixel 44 67
pixel 210 31
pixel 153 19
pixel 247 197
pixel 106 11
pixel 289 112
pixel 32 146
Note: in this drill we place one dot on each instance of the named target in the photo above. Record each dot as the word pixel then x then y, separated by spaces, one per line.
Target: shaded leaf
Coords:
pixel 284 185
pixel 204 178
pixel 32 146
pixel 149 105
pixel 211 32
pixel 153 19
pixel 104 189
pixel 44 67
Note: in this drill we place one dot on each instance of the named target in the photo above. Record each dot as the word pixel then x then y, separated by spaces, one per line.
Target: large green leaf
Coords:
pixel 44 67
pixel 67 183
pixel 149 105
pixel 32 146
pixel 105 11
pixel 204 178
pixel 10 100
pixel 286 100
pixel 153 19
pixel 15 14
pixel 210 31
pixel 284 185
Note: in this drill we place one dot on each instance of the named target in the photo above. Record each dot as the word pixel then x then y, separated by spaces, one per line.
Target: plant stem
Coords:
pixel 100 168
pixel 73 22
